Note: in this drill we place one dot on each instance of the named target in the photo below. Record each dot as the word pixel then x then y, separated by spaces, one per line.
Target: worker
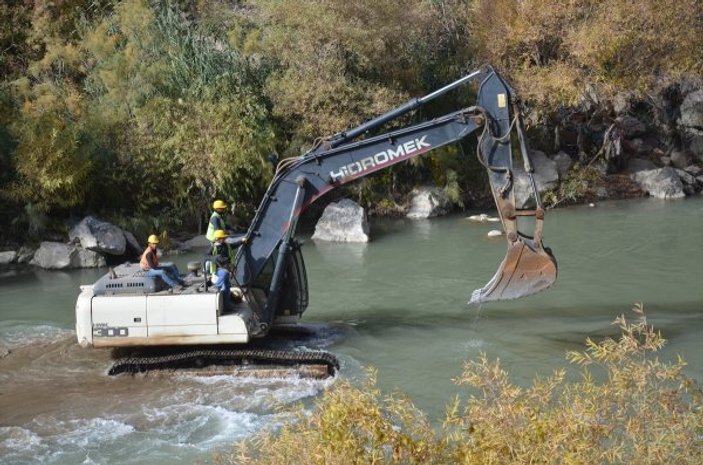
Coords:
pixel 216 220
pixel 222 249
pixel 221 281
pixel 150 264
pixel 225 249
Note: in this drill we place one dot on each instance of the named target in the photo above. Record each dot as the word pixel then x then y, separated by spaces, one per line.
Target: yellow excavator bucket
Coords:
pixel 527 268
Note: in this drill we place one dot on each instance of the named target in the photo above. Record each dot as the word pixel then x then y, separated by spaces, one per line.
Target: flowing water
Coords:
pixel 397 304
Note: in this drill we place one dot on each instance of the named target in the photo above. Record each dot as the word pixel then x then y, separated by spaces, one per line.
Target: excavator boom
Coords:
pixel 527 268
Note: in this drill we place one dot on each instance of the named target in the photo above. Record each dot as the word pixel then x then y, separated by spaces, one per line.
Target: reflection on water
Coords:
pixel 341 254
pixel 422 228
pixel 397 303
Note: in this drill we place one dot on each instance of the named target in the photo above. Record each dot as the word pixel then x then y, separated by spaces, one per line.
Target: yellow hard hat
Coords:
pixel 153 239
pixel 219 204
pixel 220 234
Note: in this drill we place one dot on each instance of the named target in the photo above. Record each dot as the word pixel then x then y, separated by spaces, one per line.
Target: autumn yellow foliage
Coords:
pixel 627 406
pixel 556 52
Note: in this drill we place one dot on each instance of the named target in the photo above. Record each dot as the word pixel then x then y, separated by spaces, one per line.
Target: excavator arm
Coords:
pixel 527 268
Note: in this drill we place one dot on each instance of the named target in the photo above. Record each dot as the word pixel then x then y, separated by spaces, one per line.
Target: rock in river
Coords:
pixel 343 221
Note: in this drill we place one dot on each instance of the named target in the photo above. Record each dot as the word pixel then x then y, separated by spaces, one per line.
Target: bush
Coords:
pixel 557 52
pixel 644 411
pixel 575 187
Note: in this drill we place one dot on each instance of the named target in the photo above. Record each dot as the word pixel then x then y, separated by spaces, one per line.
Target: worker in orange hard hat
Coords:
pixel 216 221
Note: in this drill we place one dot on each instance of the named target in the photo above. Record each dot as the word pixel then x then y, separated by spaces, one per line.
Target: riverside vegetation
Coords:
pixel 625 406
pixel 143 111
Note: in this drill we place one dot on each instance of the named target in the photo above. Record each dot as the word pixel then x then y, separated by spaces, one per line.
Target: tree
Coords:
pixel 557 52
pixel 337 63
pixel 193 122
pixel 53 167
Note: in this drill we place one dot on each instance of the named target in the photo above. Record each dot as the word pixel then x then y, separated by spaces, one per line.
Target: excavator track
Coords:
pixel 243 362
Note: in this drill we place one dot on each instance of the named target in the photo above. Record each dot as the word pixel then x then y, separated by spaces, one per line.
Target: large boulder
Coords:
pixel 691 111
pixel 563 163
pixel 99 236
pixel 343 221
pixel 680 159
pixel 695 145
pixel 198 242
pixel 132 243
pixel 545 174
pixel 690 184
pixel 55 256
pixel 690 122
pixel 88 259
pixel 640 164
pixel 60 256
pixel 662 183
pixel 7 257
pixel 428 202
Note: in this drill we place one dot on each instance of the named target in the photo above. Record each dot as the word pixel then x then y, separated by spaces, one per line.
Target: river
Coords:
pixel 398 304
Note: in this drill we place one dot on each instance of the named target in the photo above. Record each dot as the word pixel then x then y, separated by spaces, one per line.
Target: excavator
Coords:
pixel 125 309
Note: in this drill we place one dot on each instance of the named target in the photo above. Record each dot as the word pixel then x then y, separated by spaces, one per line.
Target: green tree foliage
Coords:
pixel 334 64
pixel 216 143
pixel 50 158
pixel 52 162
pixel 337 63
pixel 626 406
pixel 8 206
pixel 137 109
pixel 198 111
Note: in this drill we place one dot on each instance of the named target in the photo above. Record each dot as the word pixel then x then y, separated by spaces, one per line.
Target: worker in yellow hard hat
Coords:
pixel 217 222
pixel 222 248
pixel 225 249
pixel 149 263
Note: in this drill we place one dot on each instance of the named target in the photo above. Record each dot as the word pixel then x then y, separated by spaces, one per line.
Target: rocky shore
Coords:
pixel 96 243
pixel 636 152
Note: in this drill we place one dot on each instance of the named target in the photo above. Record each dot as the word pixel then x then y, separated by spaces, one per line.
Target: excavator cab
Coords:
pixel 294 294
pixel 292 297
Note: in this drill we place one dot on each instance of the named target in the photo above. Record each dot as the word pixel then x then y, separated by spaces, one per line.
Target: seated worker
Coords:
pixel 221 281
pixel 150 264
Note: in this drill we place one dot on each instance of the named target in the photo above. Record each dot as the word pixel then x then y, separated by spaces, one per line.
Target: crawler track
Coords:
pixel 229 358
